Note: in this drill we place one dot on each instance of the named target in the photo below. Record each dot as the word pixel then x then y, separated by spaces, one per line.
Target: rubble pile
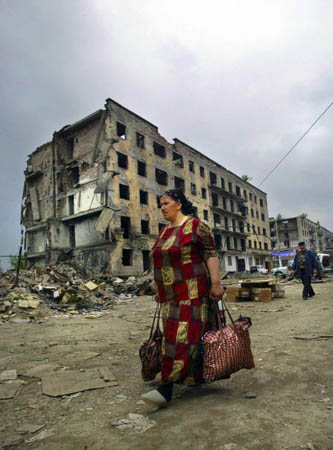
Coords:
pixel 65 289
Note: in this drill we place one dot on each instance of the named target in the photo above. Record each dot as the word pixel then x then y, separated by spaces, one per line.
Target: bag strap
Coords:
pixel 157 314
pixel 226 308
pixel 217 311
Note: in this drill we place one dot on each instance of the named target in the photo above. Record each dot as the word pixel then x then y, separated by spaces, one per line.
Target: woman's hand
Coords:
pixel 217 291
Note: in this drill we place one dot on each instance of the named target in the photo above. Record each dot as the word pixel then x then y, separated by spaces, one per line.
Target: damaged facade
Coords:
pixel 92 195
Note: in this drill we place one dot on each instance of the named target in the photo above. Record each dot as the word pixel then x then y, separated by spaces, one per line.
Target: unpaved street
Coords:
pixel 291 387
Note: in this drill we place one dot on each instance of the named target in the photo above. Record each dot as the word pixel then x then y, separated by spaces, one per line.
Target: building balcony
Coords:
pixel 82 215
pixel 220 190
pixel 230 231
pixel 226 211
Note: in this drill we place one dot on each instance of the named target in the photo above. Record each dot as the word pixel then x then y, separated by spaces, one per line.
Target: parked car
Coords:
pixel 259 269
pixel 280 271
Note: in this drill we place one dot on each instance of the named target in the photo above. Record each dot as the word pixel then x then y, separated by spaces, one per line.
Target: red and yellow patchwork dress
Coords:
pixel 183 283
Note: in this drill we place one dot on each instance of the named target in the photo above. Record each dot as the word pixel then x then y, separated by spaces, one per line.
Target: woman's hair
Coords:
pixel 178 196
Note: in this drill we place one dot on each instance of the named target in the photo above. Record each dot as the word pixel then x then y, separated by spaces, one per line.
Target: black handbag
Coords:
pixel 151 350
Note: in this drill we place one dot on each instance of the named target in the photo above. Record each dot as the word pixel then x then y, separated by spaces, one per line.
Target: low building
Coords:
pixel 92 195
pixel 286 233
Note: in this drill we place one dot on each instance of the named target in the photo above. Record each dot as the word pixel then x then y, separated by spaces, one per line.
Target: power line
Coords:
pixel 292 148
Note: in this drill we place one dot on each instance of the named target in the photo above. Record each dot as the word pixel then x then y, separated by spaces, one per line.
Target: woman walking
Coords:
pixel 186 272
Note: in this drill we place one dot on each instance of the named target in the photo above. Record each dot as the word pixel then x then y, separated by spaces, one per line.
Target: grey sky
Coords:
pixel 240 81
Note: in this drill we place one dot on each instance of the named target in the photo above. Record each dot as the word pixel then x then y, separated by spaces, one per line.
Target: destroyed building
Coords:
pixel 92 194
pixel 286 233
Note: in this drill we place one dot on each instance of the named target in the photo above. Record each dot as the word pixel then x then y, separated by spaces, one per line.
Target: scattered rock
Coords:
pixel 250 395
pixel 137 422
pixel 8 375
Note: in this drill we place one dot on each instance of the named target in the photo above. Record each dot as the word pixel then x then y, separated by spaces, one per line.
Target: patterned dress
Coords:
pixel 183 283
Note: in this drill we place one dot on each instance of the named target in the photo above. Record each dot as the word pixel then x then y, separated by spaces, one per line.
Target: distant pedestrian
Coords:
pixel 305 265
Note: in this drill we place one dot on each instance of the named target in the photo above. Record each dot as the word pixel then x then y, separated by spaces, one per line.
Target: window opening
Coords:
pixel 215 199
pixel 193 189
pixel 121 130
pixel 213 178
pixel 144 197
pixel 217 219
pixel 70 149
pixel 71 205
pixel 145 226
pixel 127 257
pixel 203 192
pixel 72 236
pixel 222 183
pixel 202 171
pixel 177 159
pixel 205 214
pixel 218 241
pixel 159 150
pixel 125 224
pixel 191 166
pixel 180 183
pixel 161 177
pixel 160 226
pixel 124 191
pixel 142 168
pixel 140 140
pixel 146 260
pixel 122 160
pixel 230 186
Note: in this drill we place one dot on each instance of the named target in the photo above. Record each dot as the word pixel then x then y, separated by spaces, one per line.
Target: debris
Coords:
pixel 91 286
pixel 8 375
pixel 10 389
pixel 311 338
pixel 250 395
pixel 137 422
pixel 30 303
pixel 38 437
pixel 29 428
pixel 41 370
pixel 72 381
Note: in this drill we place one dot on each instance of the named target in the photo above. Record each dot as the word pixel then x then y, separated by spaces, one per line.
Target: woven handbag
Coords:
pixel 150 351
pixel 228 349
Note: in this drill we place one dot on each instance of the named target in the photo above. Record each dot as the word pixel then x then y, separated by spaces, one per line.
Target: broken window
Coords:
pixel 262 216
pixel 250 244
pixel 202 171
pixel 222 183
pixel 160 226
pixel 72 236
pixel 238 191
pixel 191 166
pixel 245 194
pixel 122 160
pixel 241 227
pixel 74 176
pixel 232 208
pixel 195 211
pixel 158 201
pixel 142 168
pixel 124 191
pixel 226 223
pixel 260 245
pixel 234 224
pixel 250 195
pixel 229 248
pixel 140 140
pixel 264 231
pixel 261 203
pixel 230 186
pixel 252 212
pixel 193 189
pixel 258 230
pixel 257 214
pixel 145 226
pixel 144 197
pixel 229 257
pixel 266 246
pixel 217 219
pixel 177 159
pixel 159 149
pixel 203 192
pixel 127 257
pixel 205 214
pixel 161 177
pixel 146 259
pixel 255 199
pixel 121 130
pixel 254 229
pixel 71 205
pixel 248 227
pixel 224 203
pixel 213 178
pixel 235 243
pixel 218 241
pixel 243 245
pixel 215 199
pixel 125 225
pixel 180 183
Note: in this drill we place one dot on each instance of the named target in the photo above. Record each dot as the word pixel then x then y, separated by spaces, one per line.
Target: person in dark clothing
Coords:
pixel 304 266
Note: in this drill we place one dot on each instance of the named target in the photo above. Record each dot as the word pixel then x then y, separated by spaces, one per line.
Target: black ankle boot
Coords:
pixel 166 390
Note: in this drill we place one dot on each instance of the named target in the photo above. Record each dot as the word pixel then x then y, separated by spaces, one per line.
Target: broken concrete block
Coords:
pixel 8 375
pixel 9 389
pixel 30 303
pixel 91 286
pixel 29 428
pixel 41 370
pixel 72 381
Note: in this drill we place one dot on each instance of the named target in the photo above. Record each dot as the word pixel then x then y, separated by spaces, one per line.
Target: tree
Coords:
pixel 279 217
pixel 14 262
pixel 246 178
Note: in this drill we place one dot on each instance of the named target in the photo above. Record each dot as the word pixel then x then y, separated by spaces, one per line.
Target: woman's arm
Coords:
pixel 213 265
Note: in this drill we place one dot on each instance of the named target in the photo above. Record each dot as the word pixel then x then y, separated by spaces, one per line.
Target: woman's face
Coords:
pixel 169 207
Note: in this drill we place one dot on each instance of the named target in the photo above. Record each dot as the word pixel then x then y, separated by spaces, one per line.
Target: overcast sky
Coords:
pixel 238 80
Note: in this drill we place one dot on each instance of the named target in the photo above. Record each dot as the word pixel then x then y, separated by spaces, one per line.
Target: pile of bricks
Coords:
pixel 266 294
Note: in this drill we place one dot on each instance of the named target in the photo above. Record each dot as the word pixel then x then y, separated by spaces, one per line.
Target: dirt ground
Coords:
pixel 291 387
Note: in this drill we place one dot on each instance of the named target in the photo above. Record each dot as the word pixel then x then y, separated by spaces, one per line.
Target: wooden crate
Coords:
pixel 261 294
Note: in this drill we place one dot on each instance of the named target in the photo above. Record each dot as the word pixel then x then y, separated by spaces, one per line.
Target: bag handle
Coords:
pixel 157 313
pixel 218 313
